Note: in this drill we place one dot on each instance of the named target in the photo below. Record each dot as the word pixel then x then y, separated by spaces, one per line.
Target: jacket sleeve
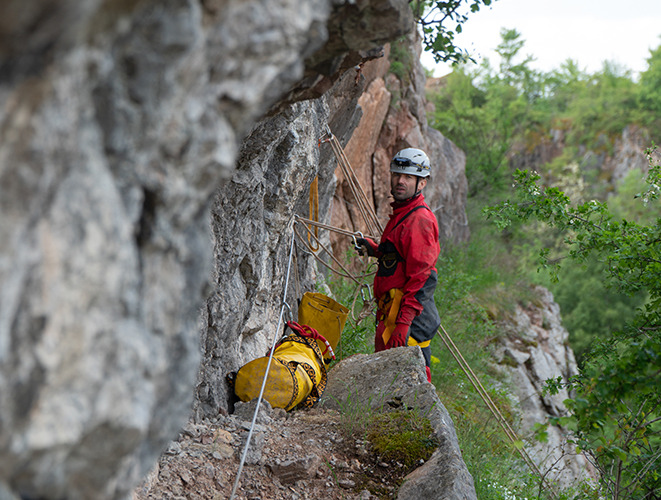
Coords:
pixel 418 245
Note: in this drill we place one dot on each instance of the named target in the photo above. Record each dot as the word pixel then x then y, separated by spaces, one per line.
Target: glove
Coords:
pixel 398 337
pixel 366 245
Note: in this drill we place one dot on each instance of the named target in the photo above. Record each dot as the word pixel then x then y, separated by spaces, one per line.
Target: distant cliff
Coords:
pixel 533 349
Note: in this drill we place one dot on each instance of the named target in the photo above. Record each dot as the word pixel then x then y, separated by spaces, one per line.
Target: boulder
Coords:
pixel 396 378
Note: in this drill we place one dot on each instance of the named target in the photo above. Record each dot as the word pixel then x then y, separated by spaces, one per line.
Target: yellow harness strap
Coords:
pixel 389 309
pixel 314 213
pixel 412 341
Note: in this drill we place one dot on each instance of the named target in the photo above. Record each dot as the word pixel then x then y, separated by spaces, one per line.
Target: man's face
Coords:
pixel 403 185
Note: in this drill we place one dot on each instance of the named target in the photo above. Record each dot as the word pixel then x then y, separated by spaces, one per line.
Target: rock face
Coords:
pixel 253 216
pixel 396 378
pixel 394 117
pixel 612 161
pixel 119 122
pixel 153 156
pixel 534 350
pixel 253 232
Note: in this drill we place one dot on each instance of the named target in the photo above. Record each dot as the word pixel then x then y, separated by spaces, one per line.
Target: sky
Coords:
pixel 587 31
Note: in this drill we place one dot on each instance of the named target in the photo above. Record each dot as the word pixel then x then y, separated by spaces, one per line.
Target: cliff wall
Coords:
pixel 153 155
pixel 532 349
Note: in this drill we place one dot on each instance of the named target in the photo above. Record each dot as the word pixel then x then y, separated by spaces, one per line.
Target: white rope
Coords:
pixel 268 366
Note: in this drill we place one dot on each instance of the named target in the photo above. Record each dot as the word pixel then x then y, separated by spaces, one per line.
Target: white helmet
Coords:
pixel 411 161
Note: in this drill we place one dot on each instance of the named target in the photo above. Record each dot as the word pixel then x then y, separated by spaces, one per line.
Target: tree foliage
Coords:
pixel 601 240
pixel 440 21
pixel 501 117
pixel 650 87
pixel 616 413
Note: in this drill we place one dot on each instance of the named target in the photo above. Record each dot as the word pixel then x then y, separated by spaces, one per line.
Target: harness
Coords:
pixel 390 256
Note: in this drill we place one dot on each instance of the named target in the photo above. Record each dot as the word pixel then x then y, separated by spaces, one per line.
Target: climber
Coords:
pixel 406 277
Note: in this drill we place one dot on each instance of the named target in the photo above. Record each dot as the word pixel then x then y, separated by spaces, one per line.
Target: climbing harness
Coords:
pixel 388 309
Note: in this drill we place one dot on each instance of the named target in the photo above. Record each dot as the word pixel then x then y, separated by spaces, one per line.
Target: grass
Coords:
pixel 402 436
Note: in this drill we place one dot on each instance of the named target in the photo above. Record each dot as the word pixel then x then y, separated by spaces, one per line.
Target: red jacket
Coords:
pixel 407 254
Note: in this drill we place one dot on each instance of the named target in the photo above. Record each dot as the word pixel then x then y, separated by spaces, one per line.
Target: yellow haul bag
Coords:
pixel 297 375
pixel 325 315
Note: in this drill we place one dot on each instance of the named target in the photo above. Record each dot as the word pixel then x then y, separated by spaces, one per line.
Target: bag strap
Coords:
pixel 308 331
pixel 305 334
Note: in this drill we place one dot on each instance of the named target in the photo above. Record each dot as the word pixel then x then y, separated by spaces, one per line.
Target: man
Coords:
pixel 406 277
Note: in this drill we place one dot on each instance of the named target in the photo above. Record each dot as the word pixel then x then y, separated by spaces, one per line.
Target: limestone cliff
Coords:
pixel 605 165
pixel 152 156
pixel 533 349
pixel 280 157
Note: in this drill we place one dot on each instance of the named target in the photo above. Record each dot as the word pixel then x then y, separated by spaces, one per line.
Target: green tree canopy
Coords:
pixel 440 21
pixel 616 413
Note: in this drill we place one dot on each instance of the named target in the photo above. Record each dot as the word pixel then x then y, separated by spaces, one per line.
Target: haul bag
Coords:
pixel 297 375
pixel 325 315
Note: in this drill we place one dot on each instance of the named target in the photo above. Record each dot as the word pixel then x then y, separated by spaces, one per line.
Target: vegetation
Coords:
pixel 440 21
pixel 503 117
pixel 608 283
pixel 402 436
pixel 615 414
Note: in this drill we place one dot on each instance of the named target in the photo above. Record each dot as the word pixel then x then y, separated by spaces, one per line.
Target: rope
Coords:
pixel 339 230
pixel 313 211
pixel 266 373
pixel 362 288
pixel 475 381
pixel 374 226
pixel 348 274
pixel 362 202
pixel 367 303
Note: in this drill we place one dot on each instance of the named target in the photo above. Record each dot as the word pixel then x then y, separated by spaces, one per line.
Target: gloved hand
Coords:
pixel 398 337
pixel 366 245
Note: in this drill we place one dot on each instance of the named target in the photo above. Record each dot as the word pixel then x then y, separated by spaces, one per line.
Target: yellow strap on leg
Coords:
pixel 412 341
pixel 314 213
pixel 391 311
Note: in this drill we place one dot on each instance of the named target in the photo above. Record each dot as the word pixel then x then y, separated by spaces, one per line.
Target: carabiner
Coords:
pixel 369 293
pixel 355 241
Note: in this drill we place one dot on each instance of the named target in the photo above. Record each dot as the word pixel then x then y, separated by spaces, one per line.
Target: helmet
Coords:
pixel 411 161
